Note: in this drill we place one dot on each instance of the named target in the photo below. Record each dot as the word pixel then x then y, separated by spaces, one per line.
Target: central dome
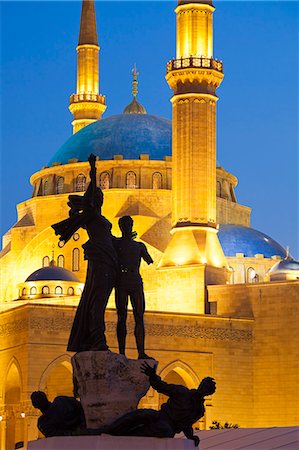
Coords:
pixel 124 134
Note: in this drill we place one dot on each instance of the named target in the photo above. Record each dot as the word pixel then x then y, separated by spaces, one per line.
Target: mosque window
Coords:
pixel 24 291
pixel 33 290
pixel 157 180
pixel 45 290
pixel 80 183
pixel 60 261
pixel 46 187
pixel 59 185
pixel 46 261
pixel 70 291
pixel 76 260
pixel 131 180
pixel 218 191
pixel 252 276
pixel 58 290
pixel 105 180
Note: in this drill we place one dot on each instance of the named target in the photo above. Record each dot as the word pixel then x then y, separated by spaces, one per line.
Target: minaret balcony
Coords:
pixel 198 62
pixel 77 98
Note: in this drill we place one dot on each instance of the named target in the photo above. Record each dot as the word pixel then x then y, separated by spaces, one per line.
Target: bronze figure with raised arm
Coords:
pixel 88 330
pixel 183 408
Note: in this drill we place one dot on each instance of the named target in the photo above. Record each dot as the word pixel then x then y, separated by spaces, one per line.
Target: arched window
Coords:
pixel 131 180
pixel 45 290
pixel 33 290
pixel 24 291
pixel 251 275
pixel 157 180
pixel 60 261
pixel 80 183
pixel 105 180
pixel 59 185
pixel 70 291
pixel 58 290
pixel 218 190
pixel 232 275
pixel 46 261
pixel 46 187
pixel 76 260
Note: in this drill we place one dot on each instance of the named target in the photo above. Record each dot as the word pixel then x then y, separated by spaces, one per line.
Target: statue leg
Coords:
pixel 128 424
pixel 138 304
pixel 121 302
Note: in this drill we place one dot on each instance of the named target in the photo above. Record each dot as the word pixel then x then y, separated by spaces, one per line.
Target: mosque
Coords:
pixel 221 297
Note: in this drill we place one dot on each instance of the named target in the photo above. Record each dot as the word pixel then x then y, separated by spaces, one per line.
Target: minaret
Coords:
pixel 87 105
pixel 194 76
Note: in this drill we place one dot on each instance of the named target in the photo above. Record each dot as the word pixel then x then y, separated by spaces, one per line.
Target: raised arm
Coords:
pixel 156 382
pixel 91 190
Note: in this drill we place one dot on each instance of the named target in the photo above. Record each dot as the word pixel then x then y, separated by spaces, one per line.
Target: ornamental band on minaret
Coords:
pixel 194 76
pixel 87 105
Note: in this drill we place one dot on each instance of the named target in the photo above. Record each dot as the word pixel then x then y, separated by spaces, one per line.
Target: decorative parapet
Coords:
pixel 77 98
pixel 194 62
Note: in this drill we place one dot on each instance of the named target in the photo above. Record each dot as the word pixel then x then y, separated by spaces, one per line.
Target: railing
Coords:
pixel 195 61
pixel 75 98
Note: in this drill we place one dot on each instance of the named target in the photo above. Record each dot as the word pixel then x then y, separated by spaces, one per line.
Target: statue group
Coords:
pixel 114 263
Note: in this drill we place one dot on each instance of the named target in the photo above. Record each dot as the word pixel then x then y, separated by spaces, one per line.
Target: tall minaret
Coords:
pixel 194 76
pixel 87 105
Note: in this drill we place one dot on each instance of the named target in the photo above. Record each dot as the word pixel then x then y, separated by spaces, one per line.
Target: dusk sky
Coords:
pixel 257 136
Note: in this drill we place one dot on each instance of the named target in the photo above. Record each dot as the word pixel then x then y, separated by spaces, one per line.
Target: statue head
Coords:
pixel 126 225
pixel 207 386
pixel 40 401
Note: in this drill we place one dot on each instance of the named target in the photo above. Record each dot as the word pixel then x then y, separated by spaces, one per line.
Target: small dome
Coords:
pixel 124 134
pixel 239 239
pixel 52 273
pixel 285 266
pixel 134 108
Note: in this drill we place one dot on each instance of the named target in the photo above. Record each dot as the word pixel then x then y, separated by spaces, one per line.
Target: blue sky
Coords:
pixel 257 137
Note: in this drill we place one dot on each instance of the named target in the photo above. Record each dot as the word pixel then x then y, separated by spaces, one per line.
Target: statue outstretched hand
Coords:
pixel 147 369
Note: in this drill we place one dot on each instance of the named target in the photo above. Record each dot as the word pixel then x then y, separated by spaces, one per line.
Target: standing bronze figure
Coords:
pixel 129 284
pixel 88 330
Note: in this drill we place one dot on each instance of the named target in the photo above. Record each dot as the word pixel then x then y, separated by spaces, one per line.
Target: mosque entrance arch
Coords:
pixel 12 399
pixel 57 379
pixel 179 372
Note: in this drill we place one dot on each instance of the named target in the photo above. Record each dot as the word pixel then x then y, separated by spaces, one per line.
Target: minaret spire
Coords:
pixel 88 26
pixel 194 76
pixel 87 105
pixel 134 107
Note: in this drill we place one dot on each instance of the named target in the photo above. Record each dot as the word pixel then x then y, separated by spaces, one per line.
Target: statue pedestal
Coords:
pixel 106 442
pixel 109 385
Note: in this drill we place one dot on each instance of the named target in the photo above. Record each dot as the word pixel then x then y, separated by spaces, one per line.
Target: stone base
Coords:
pixel 109 385
pixel 106 442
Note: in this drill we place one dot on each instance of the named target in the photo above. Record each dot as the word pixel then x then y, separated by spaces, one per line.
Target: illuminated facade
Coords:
pixel 212 307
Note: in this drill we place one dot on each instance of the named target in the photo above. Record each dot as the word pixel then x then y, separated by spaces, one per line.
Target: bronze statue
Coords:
pixel 88 330
pixel 129 284
pixel 183 408
pixel 62 417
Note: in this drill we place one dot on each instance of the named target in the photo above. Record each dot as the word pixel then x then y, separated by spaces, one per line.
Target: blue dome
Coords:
pixel 285 266
pixel 125 134
pixel 52 273
pixel 239 239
